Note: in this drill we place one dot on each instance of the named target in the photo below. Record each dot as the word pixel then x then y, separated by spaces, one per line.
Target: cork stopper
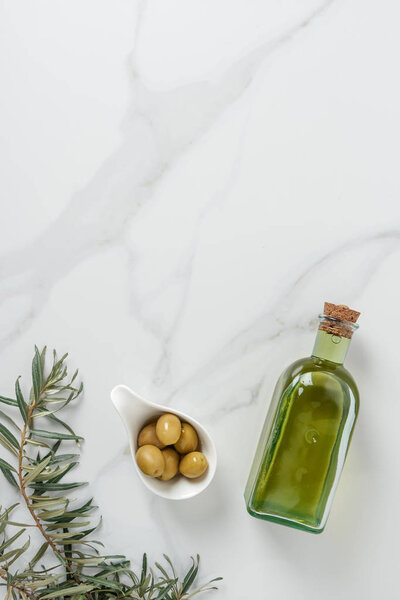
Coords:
pixel 339 318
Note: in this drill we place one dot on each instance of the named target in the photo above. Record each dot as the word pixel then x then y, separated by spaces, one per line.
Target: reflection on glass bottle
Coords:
pixel 303 445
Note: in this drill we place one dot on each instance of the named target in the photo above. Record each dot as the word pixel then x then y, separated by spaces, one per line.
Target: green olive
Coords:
pixel 150 460
pixel 193 465
pixel 148 436
pixel 188 441
pixel 168 429
pixel 171 458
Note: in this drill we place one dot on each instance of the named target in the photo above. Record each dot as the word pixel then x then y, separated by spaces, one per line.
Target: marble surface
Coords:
pixel 183 184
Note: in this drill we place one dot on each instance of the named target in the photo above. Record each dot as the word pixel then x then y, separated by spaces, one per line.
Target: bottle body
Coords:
pixel 303 445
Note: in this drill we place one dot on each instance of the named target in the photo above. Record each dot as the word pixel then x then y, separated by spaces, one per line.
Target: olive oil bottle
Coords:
pixel 303 444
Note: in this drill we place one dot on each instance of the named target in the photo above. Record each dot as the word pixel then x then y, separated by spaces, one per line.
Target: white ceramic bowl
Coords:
pixel 136 412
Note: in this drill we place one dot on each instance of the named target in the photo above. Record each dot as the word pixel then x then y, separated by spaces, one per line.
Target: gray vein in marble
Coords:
pixel 242 74
pixel 163 366
pixel 155 134
pixel 277 322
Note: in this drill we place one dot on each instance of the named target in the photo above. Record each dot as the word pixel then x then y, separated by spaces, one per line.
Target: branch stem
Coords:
pixel 22 485
pixel 3 575
pixel 29 506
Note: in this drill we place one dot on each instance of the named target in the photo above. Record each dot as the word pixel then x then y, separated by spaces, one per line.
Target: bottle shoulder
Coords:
pixel 311 364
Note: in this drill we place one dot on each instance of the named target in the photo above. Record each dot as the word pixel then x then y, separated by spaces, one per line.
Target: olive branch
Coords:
pixel 80 571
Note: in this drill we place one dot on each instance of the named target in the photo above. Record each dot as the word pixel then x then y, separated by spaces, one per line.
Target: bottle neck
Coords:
pixel 331 347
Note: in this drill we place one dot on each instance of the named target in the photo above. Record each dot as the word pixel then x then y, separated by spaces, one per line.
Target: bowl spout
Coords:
pixel 130 406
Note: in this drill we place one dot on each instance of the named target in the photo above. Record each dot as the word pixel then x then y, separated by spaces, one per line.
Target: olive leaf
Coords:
pixel 8 401
pixel 37 375
pixel 9 436
pixel 21 402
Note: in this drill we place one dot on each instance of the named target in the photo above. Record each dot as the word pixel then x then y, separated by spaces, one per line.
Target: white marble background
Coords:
pixel 183 183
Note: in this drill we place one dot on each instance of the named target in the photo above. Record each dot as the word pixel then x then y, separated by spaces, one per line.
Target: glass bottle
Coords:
pixel 304 442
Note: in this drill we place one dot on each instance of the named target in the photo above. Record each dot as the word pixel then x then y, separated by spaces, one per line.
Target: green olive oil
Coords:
pixel 303 445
